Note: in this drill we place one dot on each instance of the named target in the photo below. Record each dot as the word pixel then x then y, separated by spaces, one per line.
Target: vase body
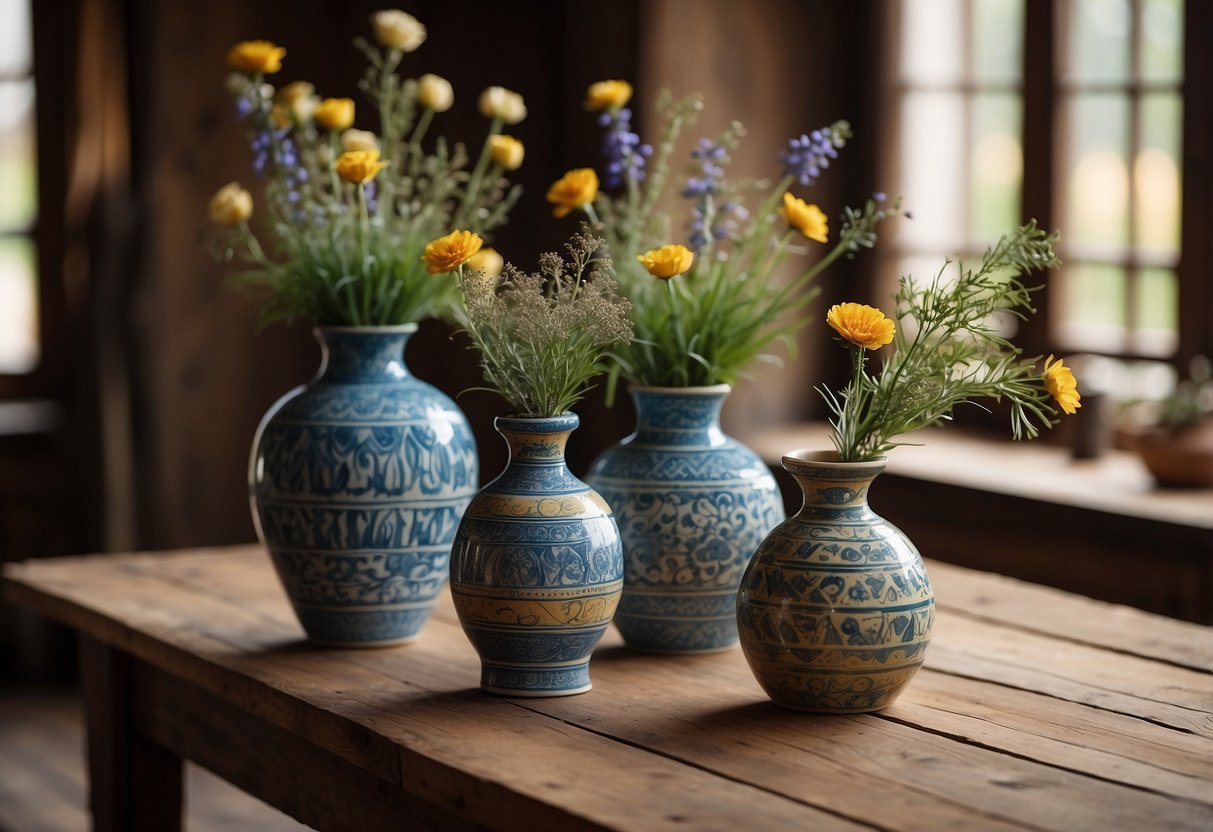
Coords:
pixel 835 610
pixel 357 482
pixel 537 567
pixel 692 504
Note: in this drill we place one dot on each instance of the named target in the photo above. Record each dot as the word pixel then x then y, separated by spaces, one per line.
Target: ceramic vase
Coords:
pixel 692 504
pixel 357 481
pixel 835 610
pixel 537 567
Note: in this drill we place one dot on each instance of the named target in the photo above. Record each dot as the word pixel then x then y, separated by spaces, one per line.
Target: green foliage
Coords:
pixel 947 351
pixel 542 336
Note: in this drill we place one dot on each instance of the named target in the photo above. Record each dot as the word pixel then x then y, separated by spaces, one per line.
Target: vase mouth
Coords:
pixel 823 458
pixel 386 329
pixel 537 424
pixel 705 390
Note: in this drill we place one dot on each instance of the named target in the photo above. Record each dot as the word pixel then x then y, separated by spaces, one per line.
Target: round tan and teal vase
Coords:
pixel 692 504
pixel 536 567
pixel 835 609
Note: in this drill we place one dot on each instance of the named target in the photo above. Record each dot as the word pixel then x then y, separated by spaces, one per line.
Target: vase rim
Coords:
pixel 828 458
pixel 538 424
pixel 385 329
pixel 707 389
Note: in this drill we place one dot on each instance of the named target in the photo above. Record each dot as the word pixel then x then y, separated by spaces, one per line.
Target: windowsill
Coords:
pixel 1117 482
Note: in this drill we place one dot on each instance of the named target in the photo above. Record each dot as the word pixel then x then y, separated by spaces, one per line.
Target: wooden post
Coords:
pixel 135 783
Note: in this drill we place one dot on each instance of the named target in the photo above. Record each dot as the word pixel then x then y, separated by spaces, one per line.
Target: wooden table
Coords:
pixel 1036 709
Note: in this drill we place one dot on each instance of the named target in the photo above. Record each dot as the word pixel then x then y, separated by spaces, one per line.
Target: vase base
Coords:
pixel 826 709
pixel 524 681
pixel 659 650
pixel 365 645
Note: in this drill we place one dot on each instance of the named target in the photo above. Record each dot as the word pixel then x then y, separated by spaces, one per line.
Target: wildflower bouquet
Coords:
pixel 541 336
pixel 350 211
pixel 704 310
pixel 947 352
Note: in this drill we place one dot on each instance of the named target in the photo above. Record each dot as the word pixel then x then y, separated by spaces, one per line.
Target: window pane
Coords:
pixel 19 346
pixel 932 37
pixel 998 40
pixel 1162 40
pixel 15 38
pixel 996 166
pixel 1096 191
pixel 1091 314
pixel 18 185
pixel 1098 35
pixel 1156 300
pixel 932 165
pixel 1156 179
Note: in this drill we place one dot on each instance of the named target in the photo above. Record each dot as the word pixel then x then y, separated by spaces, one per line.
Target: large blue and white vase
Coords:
pixel 692 504
pixel 835 609
pixel 537 567
pixel 357 481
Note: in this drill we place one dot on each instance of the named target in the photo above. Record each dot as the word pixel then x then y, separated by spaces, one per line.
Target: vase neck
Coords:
pixel 679 416
pixel 537 441
pixel 832 487
pixel 354 355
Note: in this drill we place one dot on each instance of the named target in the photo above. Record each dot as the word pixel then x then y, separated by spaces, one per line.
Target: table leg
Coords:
pixel 134 783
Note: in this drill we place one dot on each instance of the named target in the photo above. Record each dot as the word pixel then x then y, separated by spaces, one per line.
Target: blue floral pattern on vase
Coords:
pixel 358 481
pixel 692 505
pixel 537 567
pixel 835 610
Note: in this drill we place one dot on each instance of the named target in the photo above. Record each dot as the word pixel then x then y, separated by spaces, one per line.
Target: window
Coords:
pixel 1076 113
pixel 19 331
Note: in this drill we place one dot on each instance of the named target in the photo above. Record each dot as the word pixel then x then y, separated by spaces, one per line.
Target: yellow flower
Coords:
pixel 1062 386
pixel 231 205
pixel 808 219
pixel 487 262
pixel 359 140
pixel 359 166
pixel 576 189
pixel 435 93
pixel 498 102
pixel 506 151
pixel 299 99
pixel 256 56
pixel 281 117
pixel 398 30
pixel 667 261
pixel 335 113
pixel 862 325
pixel 450 252
pixel 607 94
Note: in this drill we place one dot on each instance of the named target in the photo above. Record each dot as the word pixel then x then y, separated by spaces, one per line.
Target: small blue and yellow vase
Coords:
pixel 357 482
pixel 537 567
pixel 692 505
pixel 835 609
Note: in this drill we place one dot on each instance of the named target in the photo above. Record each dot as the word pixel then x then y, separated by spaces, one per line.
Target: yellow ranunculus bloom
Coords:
pixel 299 99
pixel 450 252
pixel 359 140
pixel 576 189
pixel 398 30
pixel 862 325
pixel 335 113
pixel 607 94
pixel 1062 386
pixel 506 151
pixel 808 219
pixel 487 262
pixel 498 102
pixel 231 205
pixel 256 56
pixel 667 261
pixel 359 166
pixel 435 93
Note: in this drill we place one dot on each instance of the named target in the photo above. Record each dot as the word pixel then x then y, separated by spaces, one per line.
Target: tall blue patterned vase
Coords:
pixel 537 567
pixel 835 609
pixel 692 504
pixel 357 482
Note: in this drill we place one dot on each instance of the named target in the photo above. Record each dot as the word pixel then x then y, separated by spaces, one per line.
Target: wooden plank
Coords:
pixel 41 767
pixel 1048 611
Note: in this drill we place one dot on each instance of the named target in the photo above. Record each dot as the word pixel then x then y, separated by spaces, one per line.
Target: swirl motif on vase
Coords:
pixel 357 482
pixel 692 504
pixel 835 610
pixel 536 567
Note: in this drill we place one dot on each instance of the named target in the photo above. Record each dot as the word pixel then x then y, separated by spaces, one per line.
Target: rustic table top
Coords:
pixel 1035 709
